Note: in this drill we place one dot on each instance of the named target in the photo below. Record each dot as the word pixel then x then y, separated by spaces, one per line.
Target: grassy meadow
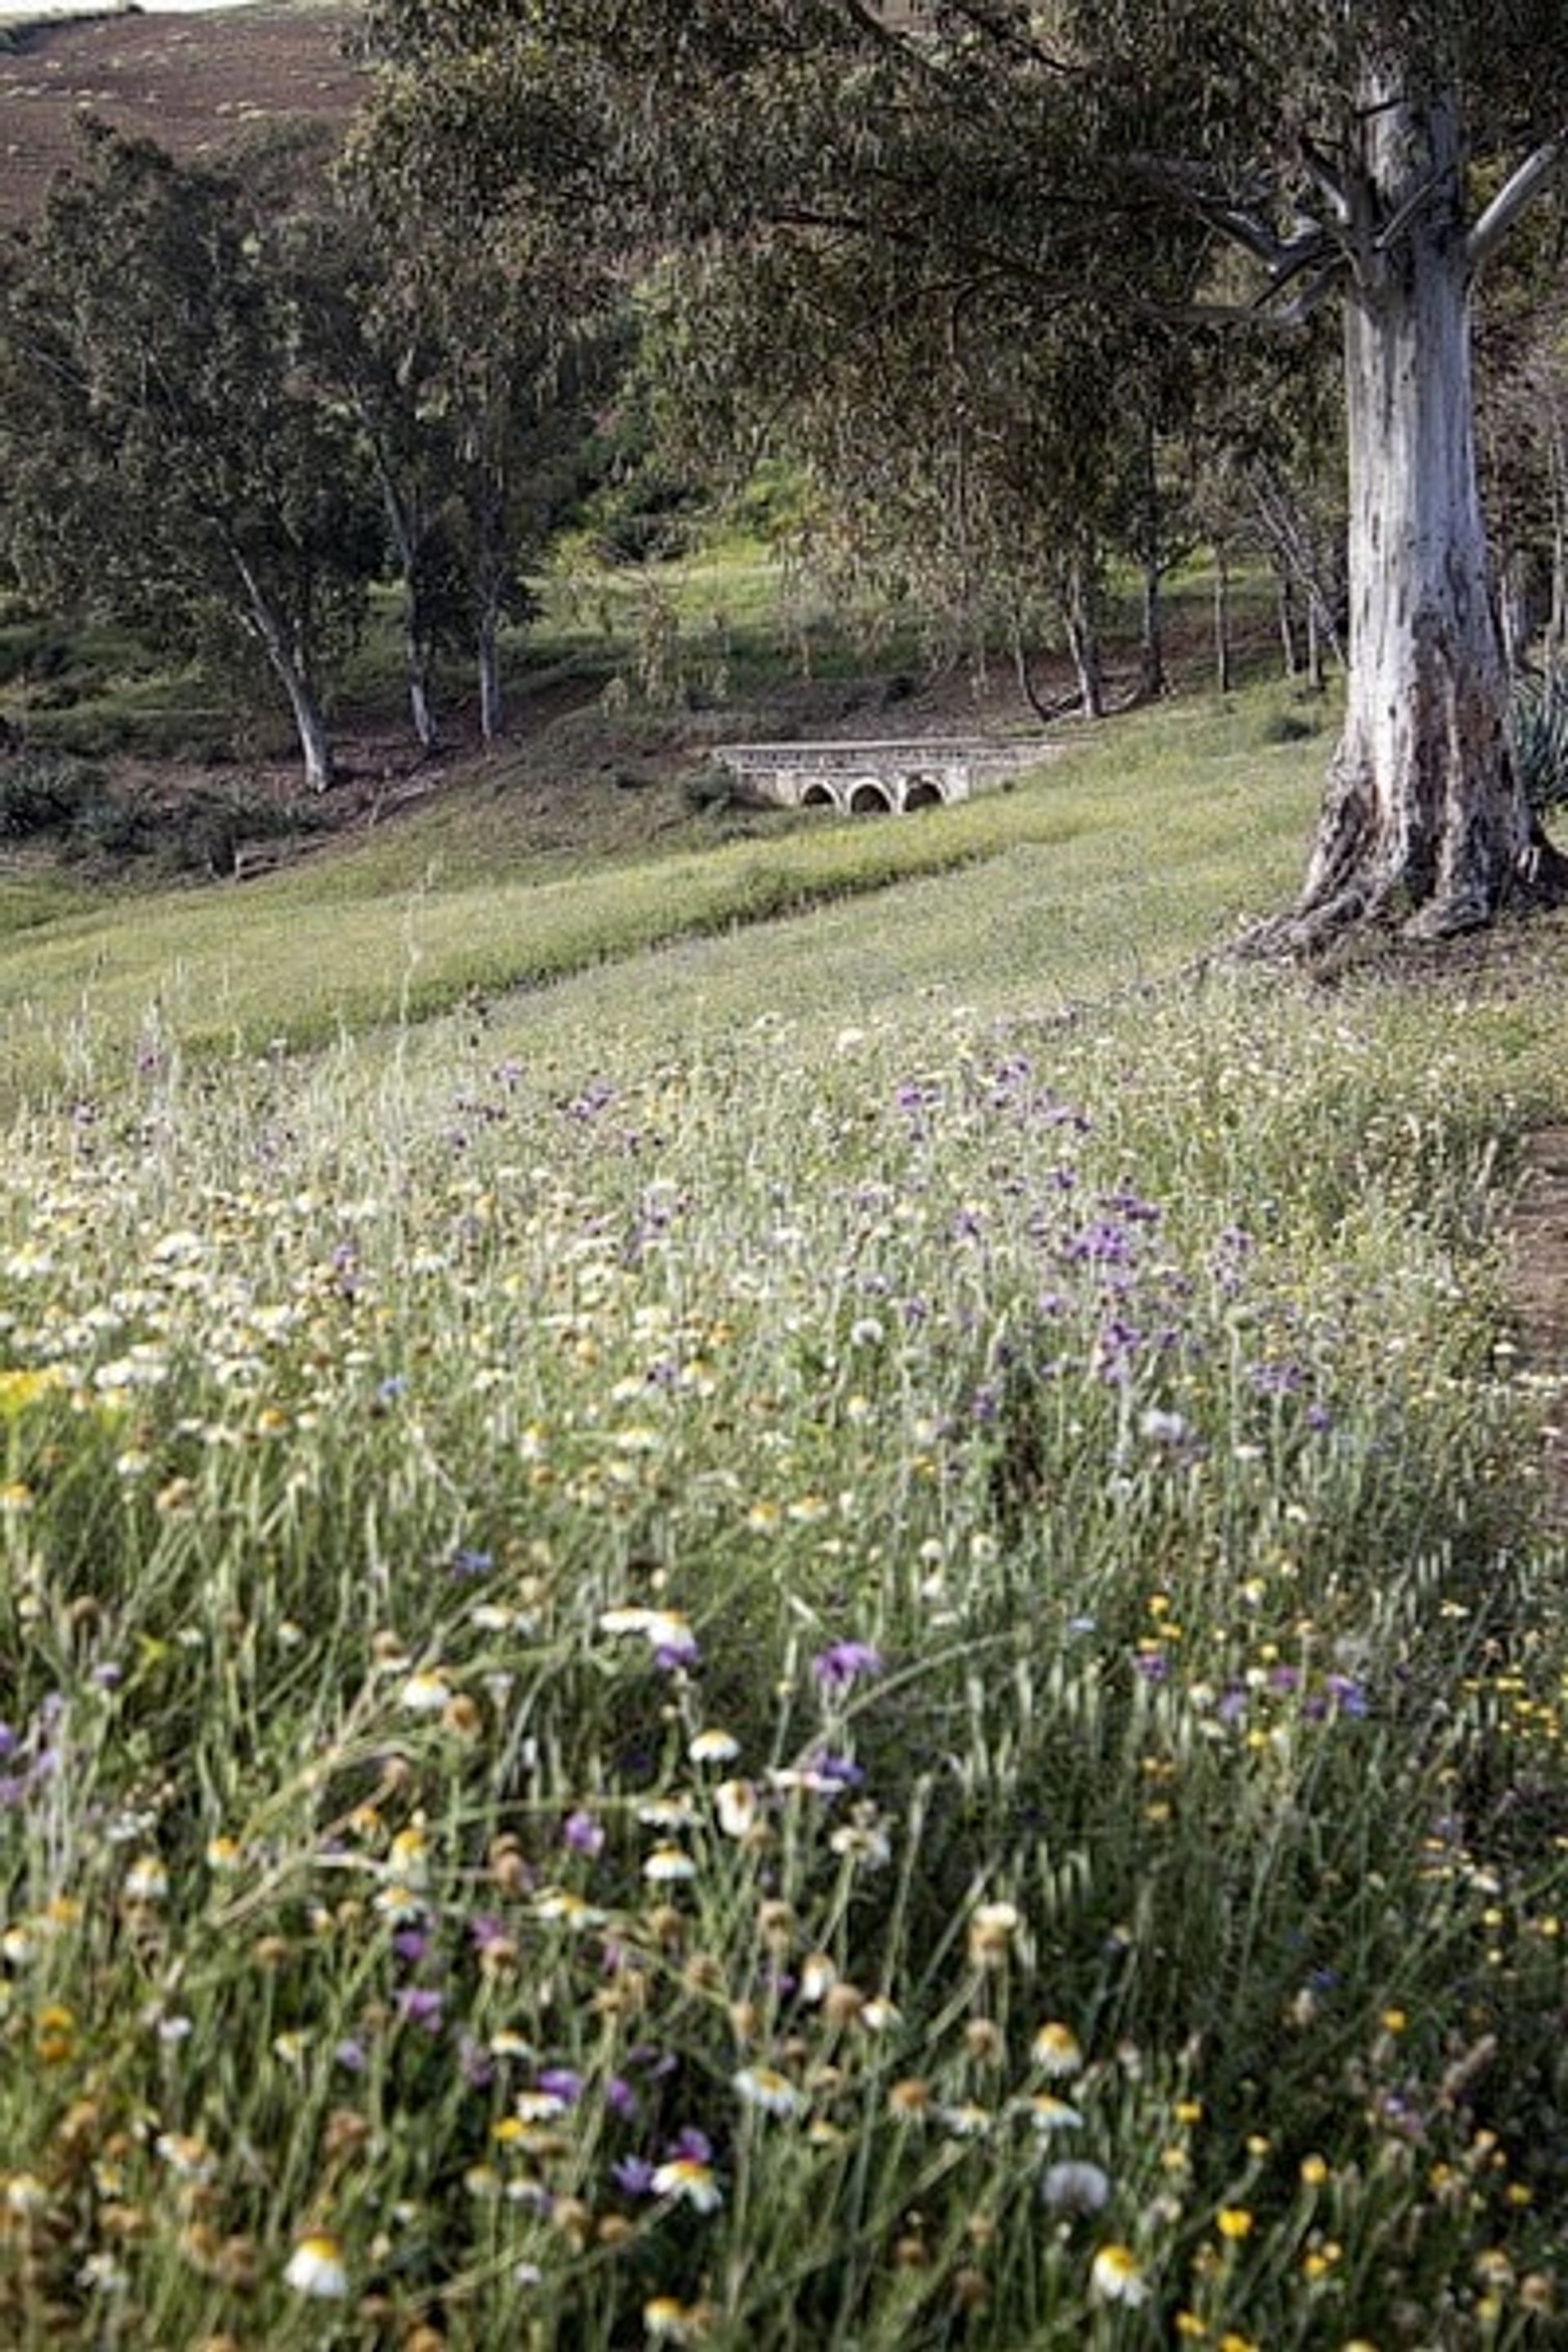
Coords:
pixel 794 1593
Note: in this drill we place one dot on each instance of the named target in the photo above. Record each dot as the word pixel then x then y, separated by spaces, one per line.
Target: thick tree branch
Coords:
pixel 1536 172
pixel 1330 186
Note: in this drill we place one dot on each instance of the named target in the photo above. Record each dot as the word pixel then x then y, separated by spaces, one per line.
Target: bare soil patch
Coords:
pixel 197 84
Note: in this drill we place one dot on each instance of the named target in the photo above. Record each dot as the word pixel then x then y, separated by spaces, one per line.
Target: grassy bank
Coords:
pixel 1138 850
pixel 832 1635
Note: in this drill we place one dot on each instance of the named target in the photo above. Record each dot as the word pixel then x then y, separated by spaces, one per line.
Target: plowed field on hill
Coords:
pixel 195 83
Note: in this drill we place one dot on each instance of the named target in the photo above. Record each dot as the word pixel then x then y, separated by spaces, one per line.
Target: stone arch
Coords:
pixel 818 795
pixel 870 797
pixel 924 791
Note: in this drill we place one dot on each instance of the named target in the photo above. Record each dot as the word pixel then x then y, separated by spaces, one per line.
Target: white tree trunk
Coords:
pixel 1425 818
pixel 492 700
pixel 315 746
pixel 286 660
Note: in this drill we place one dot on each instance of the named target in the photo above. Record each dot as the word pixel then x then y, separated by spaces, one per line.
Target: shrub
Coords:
pixel 40 793
pixel 1538 732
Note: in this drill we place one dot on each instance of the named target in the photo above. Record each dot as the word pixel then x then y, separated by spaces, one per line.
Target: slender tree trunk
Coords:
pixel 1078 602
pixel 410 542
pixel 1424 817
pixel 487 646
pixel 417 661
pixel 1152 678
pixel 1222 647
pixel 1513 610
pixel 309 725
pixel 286 659
pixel 1316 678
pixel 1557 623
pixel 1285 588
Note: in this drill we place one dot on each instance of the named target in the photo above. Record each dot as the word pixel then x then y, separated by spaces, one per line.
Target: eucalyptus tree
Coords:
pixel 371 352
pixel 1246 160
pixel 164 458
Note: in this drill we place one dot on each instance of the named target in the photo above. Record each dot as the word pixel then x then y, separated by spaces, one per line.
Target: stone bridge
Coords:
pixel 872 779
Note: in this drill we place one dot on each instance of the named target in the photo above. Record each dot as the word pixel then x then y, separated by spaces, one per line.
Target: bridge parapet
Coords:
pixel 870 778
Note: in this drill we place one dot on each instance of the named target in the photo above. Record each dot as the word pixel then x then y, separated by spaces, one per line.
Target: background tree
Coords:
pixel 164 456
pixel 1108 155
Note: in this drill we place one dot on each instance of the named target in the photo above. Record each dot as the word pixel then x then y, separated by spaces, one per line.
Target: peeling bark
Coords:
pixel 1425 819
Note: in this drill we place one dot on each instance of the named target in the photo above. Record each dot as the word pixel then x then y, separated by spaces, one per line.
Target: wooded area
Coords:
pixel 1019 299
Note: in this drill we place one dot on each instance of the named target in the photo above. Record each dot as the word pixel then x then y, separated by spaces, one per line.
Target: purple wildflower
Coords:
pixel 842 1665
pixel 633 2175
pixel 582 1832
pixel 420 2005
pixel 475 2063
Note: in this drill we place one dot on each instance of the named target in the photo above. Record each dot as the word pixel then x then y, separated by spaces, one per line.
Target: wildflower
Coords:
pixel 665 1813
pixel 909 2099
pixel 316 2268
pixel 666 1630
pixel 559 1905
pixel 1075 2187
pixel 713 1748
pixel 426 1693
pixel 582 1832
pixel 420 2005
pixel 765 2087
pixel 879 2015
pixel 146 1881
pixel 1234 2222
pixel 55 2040
pixel 223 1854
pixel 188 2157
pixel 1115 2276
pixel 1048 2113
pixel 539 2106
pixel 967 2120
pixel 864 1837
pixel 1314 2173
pixel 818 1975
pixel 667 1864
pixel 398 1904
pixel 990 1931
pixel 687 2179
pixel 667 2321
pixel 407 1857
pixel 1058 2050
pixel 843 1664
pixel 735 1803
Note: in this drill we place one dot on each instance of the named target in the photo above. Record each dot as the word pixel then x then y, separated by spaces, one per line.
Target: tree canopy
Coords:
pixel 1151 166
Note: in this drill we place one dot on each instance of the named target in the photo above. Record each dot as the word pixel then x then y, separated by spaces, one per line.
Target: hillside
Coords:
pixel 196 83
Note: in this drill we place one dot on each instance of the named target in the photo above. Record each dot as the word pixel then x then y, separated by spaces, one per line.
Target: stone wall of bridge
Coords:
pixel 871 778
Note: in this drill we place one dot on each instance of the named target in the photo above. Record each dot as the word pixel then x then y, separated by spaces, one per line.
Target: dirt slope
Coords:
pixel 193 82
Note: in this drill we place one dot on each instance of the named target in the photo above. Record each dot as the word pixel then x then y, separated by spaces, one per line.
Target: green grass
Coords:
pixel 837 1634
pixel 1187 813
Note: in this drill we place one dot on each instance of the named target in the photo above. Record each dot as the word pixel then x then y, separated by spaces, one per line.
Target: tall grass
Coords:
pixel 1145 848
pixel 873 1667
